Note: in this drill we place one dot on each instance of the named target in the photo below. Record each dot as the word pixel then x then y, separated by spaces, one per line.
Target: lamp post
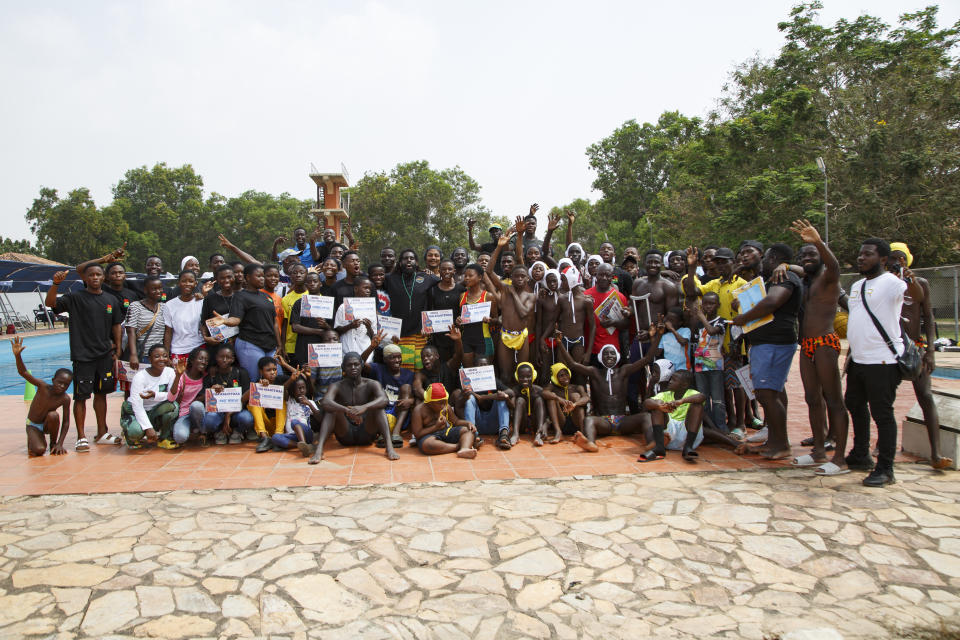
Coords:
pixel 826 212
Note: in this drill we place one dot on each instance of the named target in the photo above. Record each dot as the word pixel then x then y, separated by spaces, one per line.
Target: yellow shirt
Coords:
pixel 290 344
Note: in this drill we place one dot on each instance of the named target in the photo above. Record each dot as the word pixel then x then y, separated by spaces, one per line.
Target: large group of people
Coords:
pixel 511 342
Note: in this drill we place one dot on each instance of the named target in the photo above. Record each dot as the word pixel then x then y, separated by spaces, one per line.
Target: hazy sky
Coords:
pixel 250 93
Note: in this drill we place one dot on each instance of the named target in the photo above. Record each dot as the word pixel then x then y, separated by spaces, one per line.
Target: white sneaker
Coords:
pixel 759 436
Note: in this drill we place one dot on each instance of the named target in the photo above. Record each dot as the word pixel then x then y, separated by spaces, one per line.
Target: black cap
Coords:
pixel 752 243
pixel 724 253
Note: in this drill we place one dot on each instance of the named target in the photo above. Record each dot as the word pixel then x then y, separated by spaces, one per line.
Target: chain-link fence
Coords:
pixel 944 295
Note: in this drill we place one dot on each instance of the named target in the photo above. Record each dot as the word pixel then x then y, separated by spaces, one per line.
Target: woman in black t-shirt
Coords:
pixel 445 295
pixel 252 311
pixel 217 302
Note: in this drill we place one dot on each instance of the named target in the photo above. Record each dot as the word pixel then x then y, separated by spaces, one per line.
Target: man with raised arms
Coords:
pixel 608 386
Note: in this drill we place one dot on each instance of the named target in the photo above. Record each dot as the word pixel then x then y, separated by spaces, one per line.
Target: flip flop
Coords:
pixel 82 445
pixel 650 456
pixel 397 442
pixel 830 469
pixel 806 460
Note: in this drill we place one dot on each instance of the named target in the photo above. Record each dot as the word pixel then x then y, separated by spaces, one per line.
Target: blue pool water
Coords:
pixel 43 355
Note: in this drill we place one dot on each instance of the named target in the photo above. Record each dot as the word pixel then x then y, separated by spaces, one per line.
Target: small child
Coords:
pixel 300 408
pixel 42 418
pixel 438 429
pixel 527 406
pixel 564 399
pixel 708 359
pixel 274 420
pixel 676 340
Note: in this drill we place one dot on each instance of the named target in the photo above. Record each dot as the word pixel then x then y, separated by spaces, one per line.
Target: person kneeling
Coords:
pixel 438 429
pixel 42 418
pixel 148 412
pixel 677 421
pixel 353 410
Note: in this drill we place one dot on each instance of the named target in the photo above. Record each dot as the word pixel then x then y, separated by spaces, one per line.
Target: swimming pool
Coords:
pixel 43 355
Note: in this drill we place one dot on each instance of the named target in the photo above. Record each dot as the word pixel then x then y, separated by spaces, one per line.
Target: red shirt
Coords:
pixel 602 337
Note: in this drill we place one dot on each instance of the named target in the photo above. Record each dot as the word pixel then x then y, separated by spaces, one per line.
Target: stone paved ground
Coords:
pixel 733 554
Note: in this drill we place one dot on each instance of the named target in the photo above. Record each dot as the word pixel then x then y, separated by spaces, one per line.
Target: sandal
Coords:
pixel 397 442
pixel 108 438
pixel 650 456
pixel 503 442
pixel 82 445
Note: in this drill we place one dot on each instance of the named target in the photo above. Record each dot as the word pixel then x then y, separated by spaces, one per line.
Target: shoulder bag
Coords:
pixel 911 362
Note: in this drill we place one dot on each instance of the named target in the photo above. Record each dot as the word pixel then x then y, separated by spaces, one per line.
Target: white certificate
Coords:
pixel 221 332
pixel 316 306
pixel 325 354
pixel 470 313
pixel 229 400
pixel 436 321
pixel 478 379
pixel 267 396
pixel 390 326
pixel 363 308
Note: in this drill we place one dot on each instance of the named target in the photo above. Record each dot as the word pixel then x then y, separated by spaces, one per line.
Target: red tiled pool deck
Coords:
pixel 108 469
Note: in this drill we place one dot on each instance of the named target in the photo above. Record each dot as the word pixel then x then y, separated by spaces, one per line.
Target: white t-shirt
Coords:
pixel 352 339
pixel 885 296
pixel 160 386
pixel 184 319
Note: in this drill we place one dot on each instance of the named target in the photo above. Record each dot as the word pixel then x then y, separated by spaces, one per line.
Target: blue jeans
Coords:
pixel 290 440
pixel 248 354
pixel 190 422
pixel 710 384
pixel 491 421
pixel 241 422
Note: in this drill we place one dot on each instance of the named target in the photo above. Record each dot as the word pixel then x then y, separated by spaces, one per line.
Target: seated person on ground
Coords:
pixel 609 390
pixel 224 373
pixel 676 416
pixel 300 408
pixel 269 422
pixel 42 418
pixel 438 430
pixel 527 406
pixel 566 403
pixel 436 371
pixel 489 410
pixel 147 412
pixel 397 384
pixel 187 392
pixel 353 410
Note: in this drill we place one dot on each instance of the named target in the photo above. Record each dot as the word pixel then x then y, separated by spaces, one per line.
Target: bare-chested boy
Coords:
pixel 564 401
pixel 548 312
pixel 920 328
pixel 661 294
pixel 820 350
pixel 575 320
pixel 527 406
pixel 42 418
pixel 438 429
pixel 516 306
pixel 354 411
pixel 609 392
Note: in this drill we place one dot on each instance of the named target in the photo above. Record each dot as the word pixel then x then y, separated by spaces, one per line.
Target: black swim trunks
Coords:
pixel 356 435
pixel 450 435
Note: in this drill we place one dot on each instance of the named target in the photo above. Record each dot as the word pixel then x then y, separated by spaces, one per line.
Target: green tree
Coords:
pixel 73 229
pixel 16 246
pixel 415 206
pixel 253 220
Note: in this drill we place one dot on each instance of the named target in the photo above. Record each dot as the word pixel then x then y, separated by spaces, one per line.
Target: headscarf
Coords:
pixel 666 370
pixel 391 349
pixel 573 244
pixel 183 263
pixel 526 391
pixel 564 261
pixel 536 283
pixel 556 368
pixel 555 273
pixel 609 369
pixel 902 246
pixel 586 267
pixel 435 393
pixel 573 280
